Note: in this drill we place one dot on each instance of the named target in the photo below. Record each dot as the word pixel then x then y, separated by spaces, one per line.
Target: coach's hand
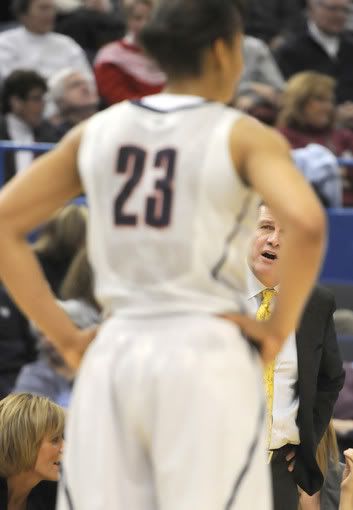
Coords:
pixel 264 333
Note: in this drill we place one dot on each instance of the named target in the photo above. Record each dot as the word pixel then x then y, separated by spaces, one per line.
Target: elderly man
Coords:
pixel 74 96
pixel 322 46
pixel 306 376
pixel 33 45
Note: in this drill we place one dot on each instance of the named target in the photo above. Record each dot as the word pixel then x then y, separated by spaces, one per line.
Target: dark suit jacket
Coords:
pixel 320 378
pixel 300 52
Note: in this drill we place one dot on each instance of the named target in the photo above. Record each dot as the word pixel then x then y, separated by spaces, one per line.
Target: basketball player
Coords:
pixel 167 412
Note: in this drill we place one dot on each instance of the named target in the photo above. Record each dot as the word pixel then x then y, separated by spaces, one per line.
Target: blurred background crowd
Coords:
pixel 63 60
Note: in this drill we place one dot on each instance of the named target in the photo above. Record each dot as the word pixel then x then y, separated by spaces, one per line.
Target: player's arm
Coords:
pixel 262 158
pixel 26 202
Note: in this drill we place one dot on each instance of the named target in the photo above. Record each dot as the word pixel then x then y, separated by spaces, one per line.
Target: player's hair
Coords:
pixel 179 31
pixel 20 84
pixel 25 420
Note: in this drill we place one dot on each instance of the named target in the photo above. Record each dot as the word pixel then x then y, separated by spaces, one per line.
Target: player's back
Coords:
pixel 169 216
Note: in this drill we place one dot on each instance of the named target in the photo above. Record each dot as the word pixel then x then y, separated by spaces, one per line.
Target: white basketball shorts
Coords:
pixel 167 414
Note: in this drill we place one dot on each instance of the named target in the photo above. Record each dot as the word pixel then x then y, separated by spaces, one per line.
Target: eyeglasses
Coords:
pixel 335 8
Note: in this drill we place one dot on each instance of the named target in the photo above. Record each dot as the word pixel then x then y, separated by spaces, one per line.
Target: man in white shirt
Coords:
pixel 323 45
pixel 308 374
pixel 22 106
pixel 34 46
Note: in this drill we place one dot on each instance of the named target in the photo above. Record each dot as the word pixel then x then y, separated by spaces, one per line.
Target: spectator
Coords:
pixel 320 167
pixel 328 460
pixel 22 118
pixel 323 46
pixel 308 116
pixel 74 96
pixel 17 343
pixel 59 241
pixel 122 70
pixel 272 19
pixel 49 375
pixel 259 66
pixel 31 443
pixel 258 92
pixel 346 502
pixel 92 25
pixel 34 46
pixel 343 411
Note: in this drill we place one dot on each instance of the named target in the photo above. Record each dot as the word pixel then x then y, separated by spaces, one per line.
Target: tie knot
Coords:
pixel 267 295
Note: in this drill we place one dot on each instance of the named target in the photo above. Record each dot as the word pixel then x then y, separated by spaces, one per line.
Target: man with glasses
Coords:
pixel 22 121
pixel 322 46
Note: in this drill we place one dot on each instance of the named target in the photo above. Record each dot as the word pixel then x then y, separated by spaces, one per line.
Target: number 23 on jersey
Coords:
pixel 157 207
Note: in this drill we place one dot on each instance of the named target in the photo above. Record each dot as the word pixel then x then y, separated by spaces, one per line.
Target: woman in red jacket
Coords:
pixel 122 70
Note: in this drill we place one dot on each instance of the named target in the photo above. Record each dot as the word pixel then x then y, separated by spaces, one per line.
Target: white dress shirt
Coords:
pixel 20 132
pixel 43 53
pixel 285 401
pixel 329 43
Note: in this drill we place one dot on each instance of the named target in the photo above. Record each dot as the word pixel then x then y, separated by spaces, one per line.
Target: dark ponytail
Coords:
pixel 179 32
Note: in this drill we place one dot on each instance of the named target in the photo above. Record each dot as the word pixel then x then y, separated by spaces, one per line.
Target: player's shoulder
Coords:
pixel 108 115
pixel 250 133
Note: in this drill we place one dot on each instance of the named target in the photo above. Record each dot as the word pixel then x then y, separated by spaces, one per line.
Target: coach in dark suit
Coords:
pixel 307 376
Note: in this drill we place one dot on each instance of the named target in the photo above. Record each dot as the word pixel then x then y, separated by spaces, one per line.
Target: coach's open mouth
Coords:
pixel 269 255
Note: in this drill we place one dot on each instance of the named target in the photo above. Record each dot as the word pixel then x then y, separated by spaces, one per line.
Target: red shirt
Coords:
pixel 123 71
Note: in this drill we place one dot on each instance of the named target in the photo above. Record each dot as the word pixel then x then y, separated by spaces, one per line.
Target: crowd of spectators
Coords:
pixel 63 60
pixel 88 55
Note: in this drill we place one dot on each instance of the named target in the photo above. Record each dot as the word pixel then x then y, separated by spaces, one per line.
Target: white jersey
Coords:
pixel 170 218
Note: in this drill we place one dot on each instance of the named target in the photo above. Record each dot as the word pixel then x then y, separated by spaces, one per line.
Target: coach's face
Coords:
pixel 265 247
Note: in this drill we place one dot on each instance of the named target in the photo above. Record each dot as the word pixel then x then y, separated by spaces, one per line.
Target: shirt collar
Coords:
pixel 254 286
pixel 329 43
pixel 18 126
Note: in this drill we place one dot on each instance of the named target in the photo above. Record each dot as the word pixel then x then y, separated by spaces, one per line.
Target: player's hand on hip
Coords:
pixel 263 333
pixel 74 352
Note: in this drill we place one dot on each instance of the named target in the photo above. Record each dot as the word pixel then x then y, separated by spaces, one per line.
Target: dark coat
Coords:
pixel 42 496
pixel 320 378
pixel 300 52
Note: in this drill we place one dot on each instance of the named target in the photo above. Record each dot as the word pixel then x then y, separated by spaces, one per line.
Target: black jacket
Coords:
pixel 300 52
pixel 17 344
pixel 42 496
pixel 266 20
pixel 320 378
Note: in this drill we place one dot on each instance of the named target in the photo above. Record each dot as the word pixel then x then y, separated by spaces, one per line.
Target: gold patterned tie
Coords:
pixel 263 314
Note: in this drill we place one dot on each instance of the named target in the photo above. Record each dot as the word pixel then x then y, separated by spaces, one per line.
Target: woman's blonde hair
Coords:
pixel 64 234
pixel 298 91
pixel 25 420
pixel 327 451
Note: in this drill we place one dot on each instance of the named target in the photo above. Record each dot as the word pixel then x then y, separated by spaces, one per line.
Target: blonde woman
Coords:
pixel 307 114
pixel 31 443
pixel 327 457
